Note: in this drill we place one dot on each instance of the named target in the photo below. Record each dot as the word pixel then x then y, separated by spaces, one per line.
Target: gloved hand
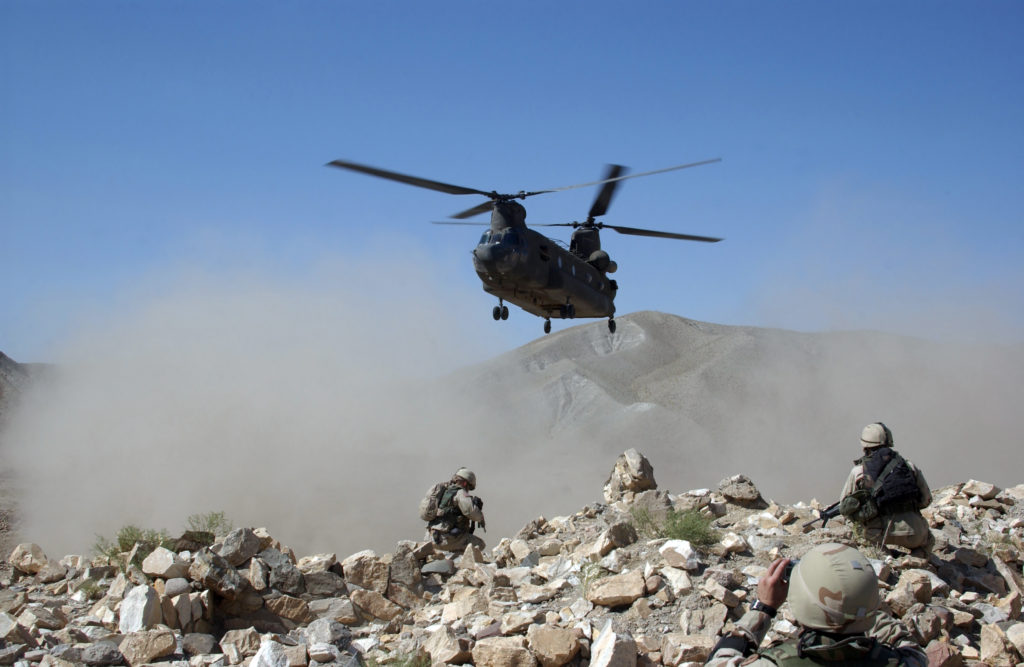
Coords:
pixel 478 503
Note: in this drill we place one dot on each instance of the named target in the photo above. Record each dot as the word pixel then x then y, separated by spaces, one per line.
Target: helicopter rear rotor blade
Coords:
pixel 604 197
pixel 644 173
pixel 407 179
pixel 664 235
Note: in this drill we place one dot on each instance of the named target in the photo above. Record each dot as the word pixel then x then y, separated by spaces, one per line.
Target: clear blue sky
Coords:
pixel 871 173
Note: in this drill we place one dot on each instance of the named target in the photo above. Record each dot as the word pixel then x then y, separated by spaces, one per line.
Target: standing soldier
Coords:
pixel 452 514
pixel 833 594
pixel 885 494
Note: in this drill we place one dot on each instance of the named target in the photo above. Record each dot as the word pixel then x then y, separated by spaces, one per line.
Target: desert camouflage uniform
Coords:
pixel 754 625
pixel 905 527
pixel 453 530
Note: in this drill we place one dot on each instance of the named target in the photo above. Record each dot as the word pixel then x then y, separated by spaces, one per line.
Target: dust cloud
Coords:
pixel 313 407
pixel 323 408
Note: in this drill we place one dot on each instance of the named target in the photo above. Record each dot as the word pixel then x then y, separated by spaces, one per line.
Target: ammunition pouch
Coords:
pixel 859 506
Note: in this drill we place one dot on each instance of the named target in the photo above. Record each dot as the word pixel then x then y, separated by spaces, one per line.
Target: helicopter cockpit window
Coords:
pixel 485 237
pixel 512 238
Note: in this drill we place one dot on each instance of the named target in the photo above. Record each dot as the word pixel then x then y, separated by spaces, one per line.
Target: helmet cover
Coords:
pixel 834 588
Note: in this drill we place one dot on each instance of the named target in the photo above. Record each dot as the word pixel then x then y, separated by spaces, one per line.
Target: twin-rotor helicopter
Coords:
pixel 541 275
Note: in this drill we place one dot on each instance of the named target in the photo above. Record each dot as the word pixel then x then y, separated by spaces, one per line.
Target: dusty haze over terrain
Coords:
pixel 324 414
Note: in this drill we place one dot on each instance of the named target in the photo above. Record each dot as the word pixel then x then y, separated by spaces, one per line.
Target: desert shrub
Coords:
pixel 691 526
pixel 410 659
pixel 89 588
pixel 590 572
pixel 126 539
pixel 217 523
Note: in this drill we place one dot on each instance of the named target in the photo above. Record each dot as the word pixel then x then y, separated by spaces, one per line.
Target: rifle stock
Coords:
pixel 825 514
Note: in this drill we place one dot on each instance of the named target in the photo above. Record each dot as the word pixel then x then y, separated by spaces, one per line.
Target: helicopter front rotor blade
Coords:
pixel 645 173
pixel 405 178
pixel 476 210
pixel 664 235
pixel 452 222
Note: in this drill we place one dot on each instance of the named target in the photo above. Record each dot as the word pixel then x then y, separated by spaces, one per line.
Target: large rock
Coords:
pixel 238 645
pixel 740 490
pixel 553 646
pixel 27 558
pixel 678 648
pixel 215 573
pixel 335 609
pixel 140 610
pixel 165 564
pixel 284 575
pixel 375 605
pixel 140 648
pixel 681 554
pixel 502 652
pixel 270 654
pixel 239 546
pixel 611 649
pixel 632 474
pixel 444 647
pixel 366 569
pixel 617 590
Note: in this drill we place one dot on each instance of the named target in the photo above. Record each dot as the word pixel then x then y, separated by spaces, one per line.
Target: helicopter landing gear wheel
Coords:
pixel 611 325
pixel 547 326
pixel 504 312
pixel 496 313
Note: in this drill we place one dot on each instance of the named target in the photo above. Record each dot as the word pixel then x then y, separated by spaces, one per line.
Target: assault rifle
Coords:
pixel 826 514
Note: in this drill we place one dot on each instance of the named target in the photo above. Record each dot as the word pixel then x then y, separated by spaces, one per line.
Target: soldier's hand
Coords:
pixel 772 589
pixel 478 503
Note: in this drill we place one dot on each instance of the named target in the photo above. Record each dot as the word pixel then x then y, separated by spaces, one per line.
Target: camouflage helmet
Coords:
pixel 467 474
pixel 834 588
pixel 876 435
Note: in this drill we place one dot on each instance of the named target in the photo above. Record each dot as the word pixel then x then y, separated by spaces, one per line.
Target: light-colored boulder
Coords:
pixel 335 609
pixel 502 652
pixel 678 580
pixel 165 564
pixel 27 558
pixel 375 605
pixel 444 647
pixel 631 474
pixel 984 490
pixel 681 554
pixel 366 569
pixel 238 645
pixel 617 590
pixel 270 654
pixel 317 563
pixel 139 610
pixel 679 649
pixel 611 649
pixel 553 646
pixel 139 648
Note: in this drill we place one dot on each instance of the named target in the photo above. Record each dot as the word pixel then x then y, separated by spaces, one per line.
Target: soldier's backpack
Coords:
pixel 895 485
pixel 858 650
pixel 437 502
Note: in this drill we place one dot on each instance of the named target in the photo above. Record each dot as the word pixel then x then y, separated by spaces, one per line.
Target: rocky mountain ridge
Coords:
pixel 591 588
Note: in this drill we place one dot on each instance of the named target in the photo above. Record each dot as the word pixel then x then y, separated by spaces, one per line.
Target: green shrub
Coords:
pixel 212 522
pixel 691 526
pixel 411 659
pixel 126 539
pixel 590 572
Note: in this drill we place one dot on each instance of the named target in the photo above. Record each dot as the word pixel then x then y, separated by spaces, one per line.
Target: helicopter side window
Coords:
pixel 485 237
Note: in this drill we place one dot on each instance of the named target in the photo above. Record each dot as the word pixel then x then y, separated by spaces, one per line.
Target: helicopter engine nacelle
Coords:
pixel 600 260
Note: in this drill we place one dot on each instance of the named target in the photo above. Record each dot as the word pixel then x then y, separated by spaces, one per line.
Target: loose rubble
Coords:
pixel 584 589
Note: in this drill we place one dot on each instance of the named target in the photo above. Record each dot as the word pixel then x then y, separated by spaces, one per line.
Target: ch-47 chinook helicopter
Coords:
pixel 536 273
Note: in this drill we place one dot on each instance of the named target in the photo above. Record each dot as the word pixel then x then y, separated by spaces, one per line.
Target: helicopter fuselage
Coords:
pixel 526 268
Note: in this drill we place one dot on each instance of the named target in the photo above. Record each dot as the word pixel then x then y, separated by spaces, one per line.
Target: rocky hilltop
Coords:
pixel 13 379
pixel 602 586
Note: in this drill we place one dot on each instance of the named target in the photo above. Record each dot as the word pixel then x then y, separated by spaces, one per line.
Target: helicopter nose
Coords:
pixel 485 253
